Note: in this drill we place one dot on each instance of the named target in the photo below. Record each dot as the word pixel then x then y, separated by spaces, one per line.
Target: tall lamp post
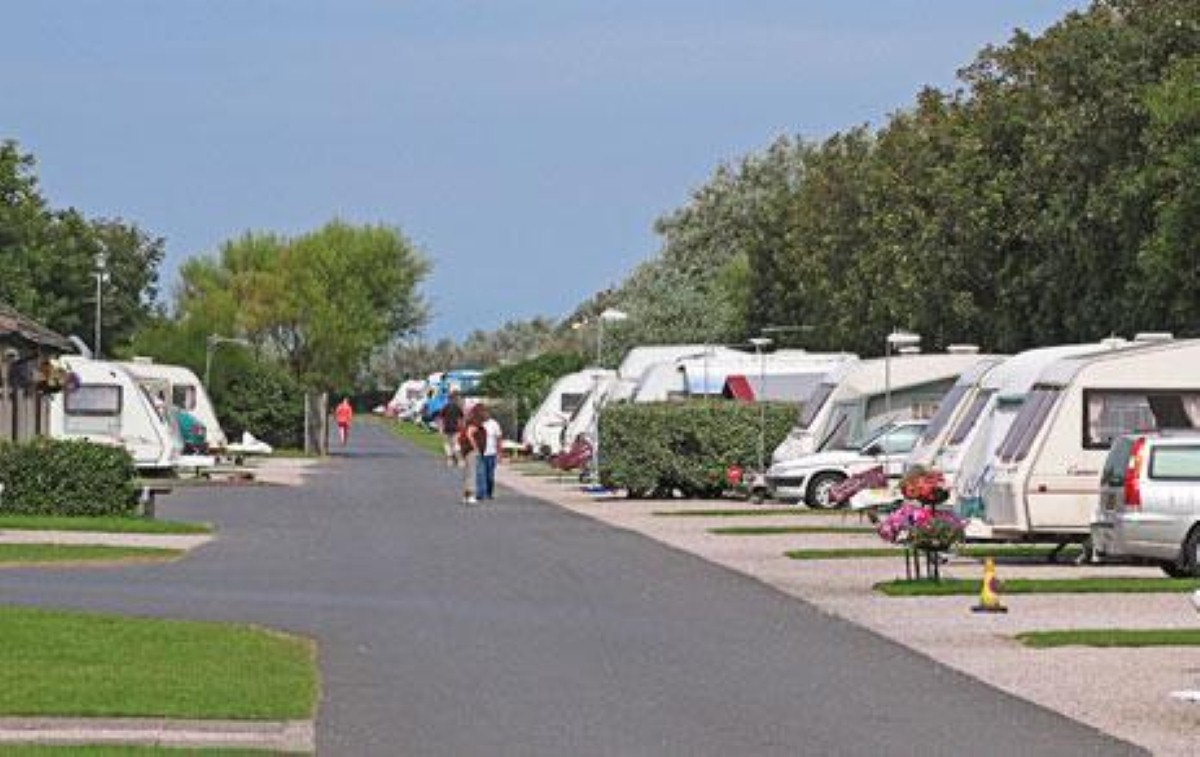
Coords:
pixel 612 315
pixel 896 340
pixel 101 274
pixel 211 344
pixel 760 343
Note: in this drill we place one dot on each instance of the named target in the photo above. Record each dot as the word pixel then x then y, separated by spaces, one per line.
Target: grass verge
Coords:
pixel 93 665
pixel 843 554
pixel 978 551
pixel 741 513
pixel 104 524
pixel 1100 585
pixel 1112 637
pixel 429 441
pixel 18 555
pixel 772 530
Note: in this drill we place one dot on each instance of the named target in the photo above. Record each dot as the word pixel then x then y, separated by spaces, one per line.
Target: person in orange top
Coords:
pixel 344 414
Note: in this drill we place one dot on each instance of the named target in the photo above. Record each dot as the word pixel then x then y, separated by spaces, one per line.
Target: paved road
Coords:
pixel 521 629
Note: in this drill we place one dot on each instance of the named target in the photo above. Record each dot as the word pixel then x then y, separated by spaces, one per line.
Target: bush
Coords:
pixel 657 448
pixel 66 477
pixel 265 400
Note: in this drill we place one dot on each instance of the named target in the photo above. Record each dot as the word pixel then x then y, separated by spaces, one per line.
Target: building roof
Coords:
pixel 15 325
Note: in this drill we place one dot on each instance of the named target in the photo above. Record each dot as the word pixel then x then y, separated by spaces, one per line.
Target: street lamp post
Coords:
pixel 895 340
pixel 101 274
pixel 609 314
pixel 760 343
pixel 211 344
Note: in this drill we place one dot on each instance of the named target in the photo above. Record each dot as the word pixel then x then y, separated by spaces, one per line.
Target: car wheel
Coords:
pixel 1175 570
pixel 819 487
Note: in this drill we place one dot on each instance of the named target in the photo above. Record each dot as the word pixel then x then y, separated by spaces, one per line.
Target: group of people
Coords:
pixel 471 439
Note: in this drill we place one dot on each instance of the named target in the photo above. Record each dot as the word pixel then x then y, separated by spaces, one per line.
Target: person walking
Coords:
pixel 450 418
pixel 344 415
pixel 493 437
pixel 471 441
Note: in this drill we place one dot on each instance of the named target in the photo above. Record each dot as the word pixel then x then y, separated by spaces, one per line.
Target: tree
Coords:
pixel 50 259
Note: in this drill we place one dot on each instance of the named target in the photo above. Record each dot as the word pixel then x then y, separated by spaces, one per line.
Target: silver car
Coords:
pixel 1150 501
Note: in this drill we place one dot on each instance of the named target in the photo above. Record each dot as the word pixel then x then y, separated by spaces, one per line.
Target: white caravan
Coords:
pixel 860 397
pixel 543 432
pixel 705 374
pixel 108 406
pixel 1044 479
pixel 624 383
pixel 963 447
pixel 407 400
pixel 181 387
pixel 957 409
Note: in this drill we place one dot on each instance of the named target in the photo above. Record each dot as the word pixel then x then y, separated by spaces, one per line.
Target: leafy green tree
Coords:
pixel 50 259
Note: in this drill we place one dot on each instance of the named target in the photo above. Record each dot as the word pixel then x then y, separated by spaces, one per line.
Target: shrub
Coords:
pixel 265 400
pixel 657 448
pixel 66 477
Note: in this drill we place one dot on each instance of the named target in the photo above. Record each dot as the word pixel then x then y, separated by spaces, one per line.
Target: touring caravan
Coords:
pixel 859 397
pixel 183 390
pixel 962 450
pixel 543 433
pixel 625 382
pixel 106 405
pixel 954 411
pixel 409 396
pixel 706 374
pixel 1044 478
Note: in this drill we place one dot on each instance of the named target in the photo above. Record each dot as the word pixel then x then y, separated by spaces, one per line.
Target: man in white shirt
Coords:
pixel 491 454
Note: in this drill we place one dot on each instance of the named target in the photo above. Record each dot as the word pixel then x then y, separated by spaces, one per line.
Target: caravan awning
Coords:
pixel 738 388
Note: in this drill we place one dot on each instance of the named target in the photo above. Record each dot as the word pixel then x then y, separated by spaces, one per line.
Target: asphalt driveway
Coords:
pixel 518 628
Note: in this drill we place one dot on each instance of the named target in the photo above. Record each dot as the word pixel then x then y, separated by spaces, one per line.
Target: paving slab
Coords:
pixel 277 736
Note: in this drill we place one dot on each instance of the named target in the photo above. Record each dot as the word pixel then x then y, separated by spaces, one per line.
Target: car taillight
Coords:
pixel 1133 474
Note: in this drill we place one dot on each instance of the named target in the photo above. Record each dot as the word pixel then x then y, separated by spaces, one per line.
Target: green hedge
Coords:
pixel 653 449
pixel 66 477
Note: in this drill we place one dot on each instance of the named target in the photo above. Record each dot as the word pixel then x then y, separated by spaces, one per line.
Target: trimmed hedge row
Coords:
pixel 655 449
pixel 66 477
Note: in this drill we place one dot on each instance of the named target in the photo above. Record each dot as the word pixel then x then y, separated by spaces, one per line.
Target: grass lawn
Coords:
pixel 429 441
pixel 1112 637
pixel 772 530
pixel 93 665
pixel 16 555
pixel 291 452
pixel 741 513
pixel 1101 585
pixel 1000 552
pixel 106 524
pixel 844 554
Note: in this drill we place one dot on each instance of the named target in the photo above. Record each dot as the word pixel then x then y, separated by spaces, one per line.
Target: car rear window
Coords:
pixel 1175 463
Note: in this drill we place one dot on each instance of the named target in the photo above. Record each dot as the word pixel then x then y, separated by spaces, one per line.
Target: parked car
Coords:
pixel 810 478
pixel 1150 501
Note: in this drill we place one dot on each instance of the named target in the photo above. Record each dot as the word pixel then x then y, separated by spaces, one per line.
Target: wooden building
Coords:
pixel 27 376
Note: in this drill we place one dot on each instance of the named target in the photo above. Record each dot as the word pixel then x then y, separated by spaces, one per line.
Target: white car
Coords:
pixel 809 478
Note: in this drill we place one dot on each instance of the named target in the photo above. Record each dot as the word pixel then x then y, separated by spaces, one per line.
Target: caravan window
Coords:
pixel 1028 423
pixel 93 399
pixel 813 405
pixel 1111 413
pixel 570 402
pixel 183 396
pixel 942 417
pixel 971 417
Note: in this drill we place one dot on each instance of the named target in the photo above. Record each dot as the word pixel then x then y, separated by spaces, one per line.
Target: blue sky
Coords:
pixel 526 145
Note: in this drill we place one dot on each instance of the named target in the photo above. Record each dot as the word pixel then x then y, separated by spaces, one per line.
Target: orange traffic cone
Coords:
pixel 989 597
